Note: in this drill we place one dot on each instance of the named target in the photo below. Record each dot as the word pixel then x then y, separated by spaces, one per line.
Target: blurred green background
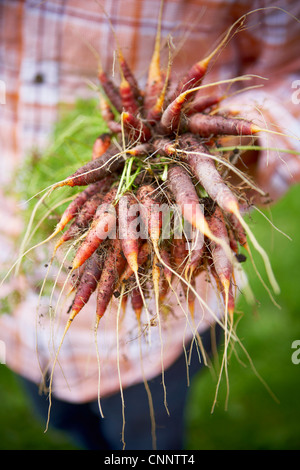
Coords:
pixel 253 419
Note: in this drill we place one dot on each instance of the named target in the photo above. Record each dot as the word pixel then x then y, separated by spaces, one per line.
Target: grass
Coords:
pixel 253 419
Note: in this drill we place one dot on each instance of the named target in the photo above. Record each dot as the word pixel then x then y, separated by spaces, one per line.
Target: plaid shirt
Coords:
pixel 45 60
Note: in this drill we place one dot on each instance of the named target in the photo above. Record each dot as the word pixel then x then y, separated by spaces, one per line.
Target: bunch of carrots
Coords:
pixel 161 149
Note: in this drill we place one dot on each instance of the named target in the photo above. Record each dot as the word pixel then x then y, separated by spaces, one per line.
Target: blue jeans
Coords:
pixel 82 422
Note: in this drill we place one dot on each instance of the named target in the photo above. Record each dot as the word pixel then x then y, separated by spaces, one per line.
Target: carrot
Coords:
pixel 203 103
pixel 105 109
pixel 172 121
pixel 101 145
pixel 129 76
pixel 136 129
pixel 114 265
pixel 163 291
pixel 238 230
pixel 88 283
pixel 171 116
pixel 143 255
pixel 152 219
pixel 82 220
pixel 155 112
pixel 166 257
pixel 125 70
pixel 179 254
pixel 156 279
pixel 115 127
pixel 137 302
pixel 124 302
pixel 193 77
pixel 95 170
pixel 108 116
pixel 224 270
pixel 74 207
pixel 198 71
pixel 195 259
pixel 205 170
pixel 150 211
pixel 127 230
pixel 103 223
pixel 110 90
pixel 191 298
pixel 184 192
pixel 232 240
pixel 129 239
pixel 140 150
pixel 190 294
pixel 231 301
pixel 206 125
pixel 155 80
pixel 164 146
pixel 129 102
pixel 76 276
pixel 221 262
pixel 221 194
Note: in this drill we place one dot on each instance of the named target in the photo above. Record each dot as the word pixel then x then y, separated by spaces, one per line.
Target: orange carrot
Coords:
pixel 110 90
pixel 103 223
pixel 129 76
pixel 150 211
pixel 171 116
pixel 101 145
pixel 82 220
pixel 204 169
pixel 164 146
pixel 238 230
pixel 179 254
pixel 221 262
pixel 105 109
pixel 140 150
pixel 129 102
pixel 136 129
pixel 203 103
pixel 95 170
pixel 193 77
pixel 198 71
pixel 108 115
pixel 88 283
pixel 114 265
pixel 231 297
pixel 115 127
